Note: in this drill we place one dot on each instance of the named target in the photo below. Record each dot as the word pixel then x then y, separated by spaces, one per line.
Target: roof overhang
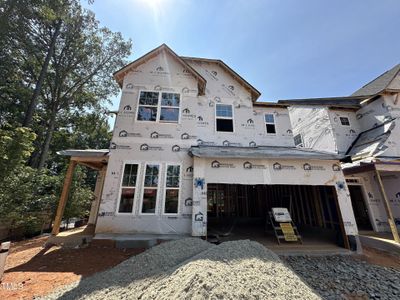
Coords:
pixel 261 152
pixel 270 104
pixel 121 73
pixel 374 166
pixel 350 102
pixel 92 158
pixel 255 94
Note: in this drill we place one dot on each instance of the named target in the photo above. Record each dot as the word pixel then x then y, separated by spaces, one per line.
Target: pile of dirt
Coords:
pixel 194 269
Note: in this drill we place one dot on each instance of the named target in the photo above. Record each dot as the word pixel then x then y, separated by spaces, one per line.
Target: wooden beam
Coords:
pixel 341 224
pixel 63 197
pixel 386 204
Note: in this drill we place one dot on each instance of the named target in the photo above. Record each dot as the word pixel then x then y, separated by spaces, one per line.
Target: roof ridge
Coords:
pixel 375 80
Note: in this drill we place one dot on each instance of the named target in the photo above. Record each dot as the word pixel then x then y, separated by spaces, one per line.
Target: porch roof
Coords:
pixel 261 152
pixel 92 158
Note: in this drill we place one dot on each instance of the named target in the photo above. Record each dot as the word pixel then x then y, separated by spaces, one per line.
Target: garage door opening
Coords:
pixel 241 212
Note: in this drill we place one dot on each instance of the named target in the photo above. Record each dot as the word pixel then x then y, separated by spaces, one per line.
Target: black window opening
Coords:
pixel 345 121
pixel 224 117
pixel 224 125
pixel 298 140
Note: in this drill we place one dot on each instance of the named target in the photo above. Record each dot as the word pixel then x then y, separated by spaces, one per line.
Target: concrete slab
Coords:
pixel 135 240
pixel 380 243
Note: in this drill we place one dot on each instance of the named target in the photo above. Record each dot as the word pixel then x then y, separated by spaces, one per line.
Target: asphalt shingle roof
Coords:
pixel 378 84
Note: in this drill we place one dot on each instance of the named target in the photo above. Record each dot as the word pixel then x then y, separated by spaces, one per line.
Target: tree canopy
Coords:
pixel 56 65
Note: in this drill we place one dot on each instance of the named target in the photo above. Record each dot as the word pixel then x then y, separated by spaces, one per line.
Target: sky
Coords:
pixel 287 49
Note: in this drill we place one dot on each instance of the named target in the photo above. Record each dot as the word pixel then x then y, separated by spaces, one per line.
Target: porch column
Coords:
pixel 97 196
pixel 386 204
pixel 63 197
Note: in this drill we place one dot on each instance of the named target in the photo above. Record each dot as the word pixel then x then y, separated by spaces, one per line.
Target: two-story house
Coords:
pixel 192 150
pixel 365 127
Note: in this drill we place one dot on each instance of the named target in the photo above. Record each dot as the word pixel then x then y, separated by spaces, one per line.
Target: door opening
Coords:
pixel 359 207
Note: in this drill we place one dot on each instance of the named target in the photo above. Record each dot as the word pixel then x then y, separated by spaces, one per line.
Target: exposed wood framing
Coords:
pixel 386 204
pixel 64 196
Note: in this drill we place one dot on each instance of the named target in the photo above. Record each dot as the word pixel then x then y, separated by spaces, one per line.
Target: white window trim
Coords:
pixel 127 162
pixel 179 188
pixel 348 119
pixel 224 118
pixel 269 123
pixel 158 106
pixel 160 170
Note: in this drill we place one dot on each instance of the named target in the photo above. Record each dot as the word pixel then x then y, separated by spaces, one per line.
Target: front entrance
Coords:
pixel 359 207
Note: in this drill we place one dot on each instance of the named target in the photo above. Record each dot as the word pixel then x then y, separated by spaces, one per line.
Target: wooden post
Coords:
pixel 389 213
pixel 63 197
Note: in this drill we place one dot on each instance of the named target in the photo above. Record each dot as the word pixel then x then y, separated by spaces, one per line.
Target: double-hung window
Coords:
pixel 128 188
pixel 169 108
pixel 150 188
pixel 172 189
pixel 224 117
pixel 158 107
pixel 270 123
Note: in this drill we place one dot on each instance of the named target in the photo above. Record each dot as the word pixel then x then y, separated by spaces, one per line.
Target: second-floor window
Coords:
pixel 298 140
pixel 270 123
pixel 345 121
pixel 224 117
pixel 158 107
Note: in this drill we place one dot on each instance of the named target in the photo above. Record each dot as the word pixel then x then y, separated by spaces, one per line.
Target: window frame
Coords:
pixel 128 162
pixel 224 118
pixel 159 106
pixel 348 121
pixel 143 188
pixel 301 145
pixel 269 123
pixel 179 188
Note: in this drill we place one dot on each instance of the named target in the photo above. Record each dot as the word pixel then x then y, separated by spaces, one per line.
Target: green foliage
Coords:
pixel 68 112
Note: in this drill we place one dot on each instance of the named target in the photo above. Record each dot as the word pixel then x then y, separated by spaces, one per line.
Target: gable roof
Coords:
pixel 379 84
pixel 120 74
pixel 255 94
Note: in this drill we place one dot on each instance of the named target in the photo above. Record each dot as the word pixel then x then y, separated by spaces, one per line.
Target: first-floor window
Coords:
pixel 150 187
pixel 128 188
pixel 172 189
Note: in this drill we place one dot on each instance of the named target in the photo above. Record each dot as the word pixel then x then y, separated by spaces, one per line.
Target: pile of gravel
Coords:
pixel 194 269
pixel 343 277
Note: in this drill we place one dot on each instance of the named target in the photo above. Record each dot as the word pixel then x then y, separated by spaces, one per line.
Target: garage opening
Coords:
pixel 242 212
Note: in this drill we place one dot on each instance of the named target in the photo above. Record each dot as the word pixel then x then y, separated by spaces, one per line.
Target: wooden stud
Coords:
pixel 63 197
pixel 386 204
pixel 345 239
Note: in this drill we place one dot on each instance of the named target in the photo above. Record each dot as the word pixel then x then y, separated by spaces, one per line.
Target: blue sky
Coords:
pixel 285 48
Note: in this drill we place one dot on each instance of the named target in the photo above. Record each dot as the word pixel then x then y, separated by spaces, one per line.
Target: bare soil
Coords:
pixel 32 270
pixel 380 258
